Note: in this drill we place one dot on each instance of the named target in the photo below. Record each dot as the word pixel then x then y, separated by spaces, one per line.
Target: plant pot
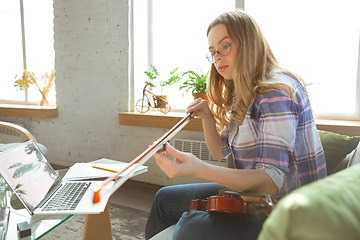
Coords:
pixel 201 95
pixel 160 101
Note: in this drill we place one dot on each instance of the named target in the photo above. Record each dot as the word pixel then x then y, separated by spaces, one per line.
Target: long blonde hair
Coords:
pixel 254 67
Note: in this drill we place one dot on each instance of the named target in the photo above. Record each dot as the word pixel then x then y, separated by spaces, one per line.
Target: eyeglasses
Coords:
pixel 223 49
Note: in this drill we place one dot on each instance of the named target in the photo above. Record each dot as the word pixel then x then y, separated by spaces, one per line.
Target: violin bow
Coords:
pixel 141 159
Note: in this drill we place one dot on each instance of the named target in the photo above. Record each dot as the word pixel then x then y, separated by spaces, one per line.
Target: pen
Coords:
pixel 105 169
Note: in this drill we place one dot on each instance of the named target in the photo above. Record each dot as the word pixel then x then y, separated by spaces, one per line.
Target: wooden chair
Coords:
pixel 24 132
pixel 19 129
pixel 96 226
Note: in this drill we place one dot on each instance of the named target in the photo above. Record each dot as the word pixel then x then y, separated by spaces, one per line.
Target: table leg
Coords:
pixel 98 226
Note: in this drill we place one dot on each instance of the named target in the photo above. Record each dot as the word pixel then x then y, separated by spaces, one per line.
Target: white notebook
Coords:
pixel 81 171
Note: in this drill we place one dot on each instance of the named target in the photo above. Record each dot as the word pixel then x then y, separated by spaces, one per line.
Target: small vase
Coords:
pixel 202 95
pixel 44 101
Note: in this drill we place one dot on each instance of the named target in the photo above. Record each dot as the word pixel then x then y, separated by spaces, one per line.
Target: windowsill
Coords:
pixel 34 111
pixel 345 127
pixel 155 119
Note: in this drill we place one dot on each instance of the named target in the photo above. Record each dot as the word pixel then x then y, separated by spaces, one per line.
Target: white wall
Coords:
pixel 91 63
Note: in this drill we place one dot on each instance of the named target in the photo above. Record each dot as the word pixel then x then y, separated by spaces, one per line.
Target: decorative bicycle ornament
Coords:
pixel 150 100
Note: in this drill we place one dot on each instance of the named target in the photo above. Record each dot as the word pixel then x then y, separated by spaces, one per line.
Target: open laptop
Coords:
pixel 37 184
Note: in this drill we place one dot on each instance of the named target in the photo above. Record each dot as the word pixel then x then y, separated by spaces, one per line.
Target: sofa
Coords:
pixel 325 209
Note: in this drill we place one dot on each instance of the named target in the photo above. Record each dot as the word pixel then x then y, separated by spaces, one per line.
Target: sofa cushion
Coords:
pixel 336 147
pixel 350 160
pixel 355 158
pixel 325 209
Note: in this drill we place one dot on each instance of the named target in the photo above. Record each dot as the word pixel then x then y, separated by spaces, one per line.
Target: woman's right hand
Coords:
pixel 199 108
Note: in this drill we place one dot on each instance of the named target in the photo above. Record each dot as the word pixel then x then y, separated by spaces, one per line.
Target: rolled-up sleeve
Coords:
pixel 274 173
pixel 226 150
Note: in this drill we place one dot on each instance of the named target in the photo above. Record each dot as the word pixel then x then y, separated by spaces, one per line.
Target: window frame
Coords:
pixel 26 100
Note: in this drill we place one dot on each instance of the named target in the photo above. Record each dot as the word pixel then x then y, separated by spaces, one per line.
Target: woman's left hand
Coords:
pixel 185 164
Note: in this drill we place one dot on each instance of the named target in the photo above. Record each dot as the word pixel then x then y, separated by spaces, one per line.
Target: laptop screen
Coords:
pixel 28 173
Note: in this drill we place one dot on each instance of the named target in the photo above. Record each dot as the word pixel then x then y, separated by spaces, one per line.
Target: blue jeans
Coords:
pixel 171 205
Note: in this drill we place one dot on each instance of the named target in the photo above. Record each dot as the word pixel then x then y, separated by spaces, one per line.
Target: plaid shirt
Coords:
pixel 278 136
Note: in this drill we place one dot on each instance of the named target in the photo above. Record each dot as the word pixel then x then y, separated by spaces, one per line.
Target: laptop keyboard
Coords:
pixel 68 197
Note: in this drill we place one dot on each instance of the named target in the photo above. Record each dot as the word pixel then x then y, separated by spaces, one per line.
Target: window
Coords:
pixel 318 40
pixel 38 55
pixel 170 34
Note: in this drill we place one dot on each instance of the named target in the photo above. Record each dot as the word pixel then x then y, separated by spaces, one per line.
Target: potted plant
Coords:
pixel 197 83
pixel 160 101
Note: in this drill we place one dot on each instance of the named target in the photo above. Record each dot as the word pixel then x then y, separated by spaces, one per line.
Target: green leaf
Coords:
pixel 174 70
pixel 196 82
pixel 154 70
pixel 150 75
pixel 150 84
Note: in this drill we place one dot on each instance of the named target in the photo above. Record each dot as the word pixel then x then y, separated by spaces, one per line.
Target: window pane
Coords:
pixel 179 40
pixel 11 59
pixel 40 54
pixel 318 40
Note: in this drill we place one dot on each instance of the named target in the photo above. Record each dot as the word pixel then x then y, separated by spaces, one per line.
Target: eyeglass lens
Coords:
pixel 223 50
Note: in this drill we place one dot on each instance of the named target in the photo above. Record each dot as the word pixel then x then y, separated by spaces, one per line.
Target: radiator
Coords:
pixel 8 135
pixel 198 148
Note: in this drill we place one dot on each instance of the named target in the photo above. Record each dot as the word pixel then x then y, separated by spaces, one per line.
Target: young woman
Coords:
pixel 261 115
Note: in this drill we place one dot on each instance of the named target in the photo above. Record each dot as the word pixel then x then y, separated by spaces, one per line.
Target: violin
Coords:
pixel 236 203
